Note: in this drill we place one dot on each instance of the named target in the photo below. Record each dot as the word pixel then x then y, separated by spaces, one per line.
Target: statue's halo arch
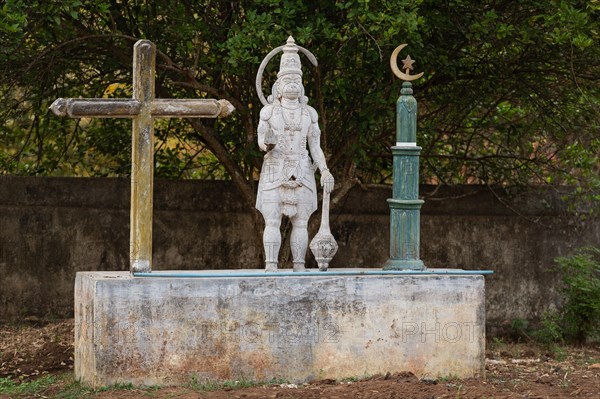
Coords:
pixel 263 65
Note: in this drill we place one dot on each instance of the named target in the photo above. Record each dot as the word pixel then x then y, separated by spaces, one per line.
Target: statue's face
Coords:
pixel 291 86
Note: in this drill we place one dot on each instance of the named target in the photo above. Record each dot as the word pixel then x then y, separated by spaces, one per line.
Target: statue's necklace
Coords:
pixel 290 124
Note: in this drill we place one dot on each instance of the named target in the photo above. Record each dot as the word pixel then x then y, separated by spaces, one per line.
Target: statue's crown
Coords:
pixel 290 60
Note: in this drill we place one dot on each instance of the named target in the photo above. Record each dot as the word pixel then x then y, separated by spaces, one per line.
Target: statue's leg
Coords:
pixel 272 239
pixel 299 240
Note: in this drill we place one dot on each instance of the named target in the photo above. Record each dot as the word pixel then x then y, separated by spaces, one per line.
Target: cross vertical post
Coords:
pixel 142 159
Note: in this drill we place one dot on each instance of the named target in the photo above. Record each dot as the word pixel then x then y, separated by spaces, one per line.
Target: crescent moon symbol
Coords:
pixel 396 70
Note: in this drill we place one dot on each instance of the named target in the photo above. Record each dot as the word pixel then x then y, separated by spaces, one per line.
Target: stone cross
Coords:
pixel 142 108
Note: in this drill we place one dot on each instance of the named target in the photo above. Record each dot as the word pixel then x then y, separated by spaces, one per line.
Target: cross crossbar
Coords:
pixel 142 108
pixel 126 108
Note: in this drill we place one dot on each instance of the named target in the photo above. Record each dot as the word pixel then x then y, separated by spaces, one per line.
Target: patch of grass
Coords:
pixel 560 353
pixel 74 390
pixel 519 328
pixel 497 343
pixel 211 385
pixel 449 378
pixel 459 392
pixel 550 332
pixel 25 388
pixel 564 384
pixel 117 387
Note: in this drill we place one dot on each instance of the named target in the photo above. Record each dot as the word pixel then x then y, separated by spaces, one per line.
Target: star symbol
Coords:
pixel 408 63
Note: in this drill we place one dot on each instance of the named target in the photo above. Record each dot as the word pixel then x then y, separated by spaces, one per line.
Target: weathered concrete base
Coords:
pixel 151 330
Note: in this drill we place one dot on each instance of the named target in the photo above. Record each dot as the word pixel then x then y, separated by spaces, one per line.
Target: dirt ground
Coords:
pixel 36 360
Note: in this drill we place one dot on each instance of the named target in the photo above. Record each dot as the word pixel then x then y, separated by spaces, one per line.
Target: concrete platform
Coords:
pixel 167 330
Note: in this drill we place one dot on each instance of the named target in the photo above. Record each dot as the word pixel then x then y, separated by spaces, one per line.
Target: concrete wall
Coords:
pixel 50 228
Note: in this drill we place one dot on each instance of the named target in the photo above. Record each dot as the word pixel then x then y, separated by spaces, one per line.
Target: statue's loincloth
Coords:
pixel 287 185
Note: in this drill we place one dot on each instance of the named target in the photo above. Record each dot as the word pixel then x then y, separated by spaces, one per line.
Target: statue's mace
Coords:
pixel 323 245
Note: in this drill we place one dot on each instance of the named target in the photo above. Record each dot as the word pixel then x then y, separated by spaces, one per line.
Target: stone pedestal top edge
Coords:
pixel 257 273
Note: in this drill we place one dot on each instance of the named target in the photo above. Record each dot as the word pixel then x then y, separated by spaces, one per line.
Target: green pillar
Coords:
pixel 405 206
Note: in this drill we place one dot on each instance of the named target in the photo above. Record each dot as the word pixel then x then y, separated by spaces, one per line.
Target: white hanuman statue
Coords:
pixel 287 182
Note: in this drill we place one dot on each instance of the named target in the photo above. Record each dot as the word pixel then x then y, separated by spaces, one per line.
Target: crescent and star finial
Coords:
pixel 407 65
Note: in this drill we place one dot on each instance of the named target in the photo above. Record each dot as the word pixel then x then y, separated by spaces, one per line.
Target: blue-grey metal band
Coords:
pixel 406 150
pixel 405 204
pixel 316 273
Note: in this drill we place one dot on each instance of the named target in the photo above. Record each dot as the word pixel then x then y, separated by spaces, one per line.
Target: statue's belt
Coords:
pixel 302 183
pixel 294 156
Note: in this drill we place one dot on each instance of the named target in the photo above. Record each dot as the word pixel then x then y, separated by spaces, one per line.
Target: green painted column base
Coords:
pixel 404 264
pixel 404 235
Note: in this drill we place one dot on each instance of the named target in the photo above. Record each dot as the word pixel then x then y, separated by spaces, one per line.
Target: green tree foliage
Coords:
pixel 510 94
pixel 579 318
pixel 523 84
